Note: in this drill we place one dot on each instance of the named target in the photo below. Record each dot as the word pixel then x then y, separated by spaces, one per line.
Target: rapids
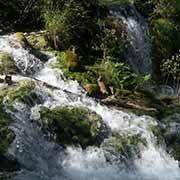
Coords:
pixel 42 159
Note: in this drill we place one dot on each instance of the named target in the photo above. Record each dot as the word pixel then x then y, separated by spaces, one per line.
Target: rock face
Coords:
pixel 72 125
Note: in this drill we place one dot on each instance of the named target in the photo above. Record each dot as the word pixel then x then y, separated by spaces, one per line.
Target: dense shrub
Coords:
pixel 20 14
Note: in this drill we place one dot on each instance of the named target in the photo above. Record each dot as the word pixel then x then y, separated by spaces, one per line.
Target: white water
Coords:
pixel 138 55
pixel 44 160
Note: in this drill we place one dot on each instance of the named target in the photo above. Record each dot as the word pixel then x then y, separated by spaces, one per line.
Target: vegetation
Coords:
pixel 72 125
pixel 126 146
pixel 7 64
pixel 90 45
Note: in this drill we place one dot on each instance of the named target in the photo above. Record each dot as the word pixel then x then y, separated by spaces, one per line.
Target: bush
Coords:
pixel 20 14
pixel 71 61
pixel 74 25
pixel 117 75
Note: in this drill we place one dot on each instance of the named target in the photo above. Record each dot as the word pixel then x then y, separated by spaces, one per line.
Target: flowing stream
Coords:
pixel 138 54
pixel 41 159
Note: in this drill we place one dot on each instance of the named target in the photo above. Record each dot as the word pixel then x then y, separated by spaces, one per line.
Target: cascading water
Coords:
pixel 138 54
pixel 42 159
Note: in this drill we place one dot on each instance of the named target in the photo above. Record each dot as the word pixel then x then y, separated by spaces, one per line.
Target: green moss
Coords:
pixel 92 90
pixel 38 41
pixel 71 61
pixel 21 39
pixel 124 145
pixel 173 144
pixel 23 92
pixel 71 125
pixel 6 135
pixel 7 65
pixel 157 131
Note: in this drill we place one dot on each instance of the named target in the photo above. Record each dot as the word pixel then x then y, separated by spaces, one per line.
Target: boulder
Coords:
pixel 72 125
pixel 123 147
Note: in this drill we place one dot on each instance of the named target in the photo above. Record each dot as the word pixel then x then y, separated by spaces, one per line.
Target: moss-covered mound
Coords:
pixel 72 125
pixel 7 65
pixel 124 146
pixel 23 92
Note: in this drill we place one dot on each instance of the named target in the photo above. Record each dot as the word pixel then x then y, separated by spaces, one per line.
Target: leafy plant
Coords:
pixel 171 71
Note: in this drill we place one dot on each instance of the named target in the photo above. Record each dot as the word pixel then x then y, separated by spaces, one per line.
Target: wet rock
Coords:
pixel 73 125
pixel 6 135
pixel 24 92
pixel 123 147
pixel 8 164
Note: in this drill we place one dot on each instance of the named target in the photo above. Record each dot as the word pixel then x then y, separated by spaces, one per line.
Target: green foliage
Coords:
pixel 114 3
pixel 71 61
pixel 7 65
pixel 20 14
pixel 75 24
pixel 144 6
pixel 54 23
pixel 24 92
pixel 71 125
pixel 170 69
pixel 6 135
pixel 165 29
pixel 124 145
pixel 92 90
pixel 113 43
pixel 118 75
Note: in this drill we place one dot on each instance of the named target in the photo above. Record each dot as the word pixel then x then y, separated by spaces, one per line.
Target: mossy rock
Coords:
pixel 72 125
pixel 7 65
pixel 24 92
pixel 158 133
pixel 92 90
pixel 6 135
pixel 21 40
pixel 38 41
pixel 124 146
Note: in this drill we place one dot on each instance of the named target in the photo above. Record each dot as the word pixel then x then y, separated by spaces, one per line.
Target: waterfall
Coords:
pixel 138 54
pixel 41 159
